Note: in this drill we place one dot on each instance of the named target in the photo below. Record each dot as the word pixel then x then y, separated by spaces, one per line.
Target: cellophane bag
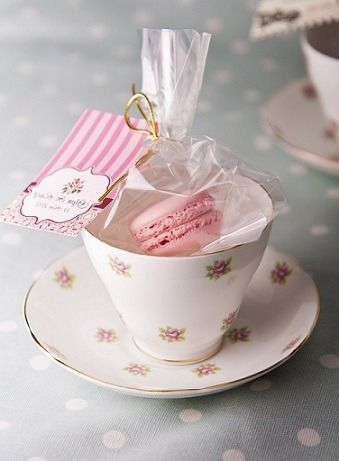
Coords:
pixel 185 176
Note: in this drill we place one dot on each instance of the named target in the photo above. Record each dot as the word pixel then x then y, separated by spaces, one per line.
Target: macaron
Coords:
pixel 177 225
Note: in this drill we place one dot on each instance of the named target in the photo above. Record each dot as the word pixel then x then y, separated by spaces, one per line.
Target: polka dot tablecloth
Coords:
pixel 58 58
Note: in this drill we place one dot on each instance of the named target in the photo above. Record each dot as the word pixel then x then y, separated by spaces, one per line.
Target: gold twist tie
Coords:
pixel 138 99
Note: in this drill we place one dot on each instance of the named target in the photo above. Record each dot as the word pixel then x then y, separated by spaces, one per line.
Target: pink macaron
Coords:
pixel 177 225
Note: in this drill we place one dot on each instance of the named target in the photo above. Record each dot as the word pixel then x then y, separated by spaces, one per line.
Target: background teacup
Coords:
pixel 321 49
pixel 176 308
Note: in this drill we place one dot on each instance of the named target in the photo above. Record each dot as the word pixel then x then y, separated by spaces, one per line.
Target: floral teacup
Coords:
pixel 176 308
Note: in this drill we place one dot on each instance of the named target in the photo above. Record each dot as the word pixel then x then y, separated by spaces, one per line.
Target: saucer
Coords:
pixel 71 318
pixel 294 116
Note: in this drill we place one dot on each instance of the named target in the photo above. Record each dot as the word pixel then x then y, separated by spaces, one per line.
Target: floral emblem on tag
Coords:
pixel 218 269
pixel 228 321
pixel 73 187
pixel 239 334
pixel 119 267
pixel 172 335
pixel 63 278
pixel 137 369
pixel 280 273
pixel 205 369
pixel 290 344
pixel 105 336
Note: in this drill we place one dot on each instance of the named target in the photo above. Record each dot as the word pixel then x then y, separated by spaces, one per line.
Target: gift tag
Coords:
pixel 273 17
pixel 69 191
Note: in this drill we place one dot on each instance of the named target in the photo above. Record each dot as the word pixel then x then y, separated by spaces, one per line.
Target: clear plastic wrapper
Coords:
pixel 193 196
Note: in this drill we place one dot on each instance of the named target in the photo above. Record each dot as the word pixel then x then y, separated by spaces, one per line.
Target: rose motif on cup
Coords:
pixel 73 187
pixel 290 344
pixel 280 273
pixel 205 369
pixel 137 369
pixel 239 334
pixel 227 322
pixel 63 278
pixel 218 269
pixel 119 267
pixel 105 336
pixel 172 335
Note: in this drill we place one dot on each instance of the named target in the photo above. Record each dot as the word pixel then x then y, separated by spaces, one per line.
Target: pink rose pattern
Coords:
pixel 227 322
pixel 280 273
pixel 137 369
pixel 205 369
pixel 73 187
pixel 290 344
pixel 105 336
pixel 119 267
pixel 63 278
pixel 218 269
pixel 172 335
pixel 239 334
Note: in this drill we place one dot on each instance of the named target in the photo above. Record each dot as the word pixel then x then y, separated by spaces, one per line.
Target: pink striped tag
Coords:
pixel 63 197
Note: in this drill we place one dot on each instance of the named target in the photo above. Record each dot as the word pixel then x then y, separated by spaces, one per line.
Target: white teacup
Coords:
pixel 321 49
pixel 176 308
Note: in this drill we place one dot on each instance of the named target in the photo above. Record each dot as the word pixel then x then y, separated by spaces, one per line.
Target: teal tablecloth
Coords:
pixel 58 57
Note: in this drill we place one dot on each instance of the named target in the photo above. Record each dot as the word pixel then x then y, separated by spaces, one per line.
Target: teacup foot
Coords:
pixel 200 356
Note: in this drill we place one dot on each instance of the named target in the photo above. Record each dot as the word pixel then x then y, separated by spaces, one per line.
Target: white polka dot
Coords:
pixel 11 238
pixel 114 440
pixel 222 76
pixel 308 437
pixel 233 116
pixel 250 95
pixel 251 4
pixel 75 4
pixel 21 120
pixel 100 79
pixel 3 99
pixel 49 89
pixel 286 209
pixel 204 107
pixel 262 143
pixel 297 169
pixel 74 108
pixel 47 141
pixel 185 2
pixel 261 385
pixel 122 51
pixel 333 192
pixel 4 425
pixel 36 458
pixel 190 415
pixel 329 361
pixel 28 13
pixel 142 17
pixel 76 404
pixel 269 65
pixel 36 274
pixel 8 326
pixel 40 362
pixel 319 229
pixel 17 175
pixel 25 68
pixel 233 455
pixel 98 31
pixel 214 24
pixel 240 47
pixel 73 56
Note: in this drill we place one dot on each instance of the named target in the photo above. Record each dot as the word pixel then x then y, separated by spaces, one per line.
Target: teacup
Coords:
pixel 177 309
pixel 321 49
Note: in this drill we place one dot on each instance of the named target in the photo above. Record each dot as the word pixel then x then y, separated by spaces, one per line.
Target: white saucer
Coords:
pixel 294 116
pixel 71 318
